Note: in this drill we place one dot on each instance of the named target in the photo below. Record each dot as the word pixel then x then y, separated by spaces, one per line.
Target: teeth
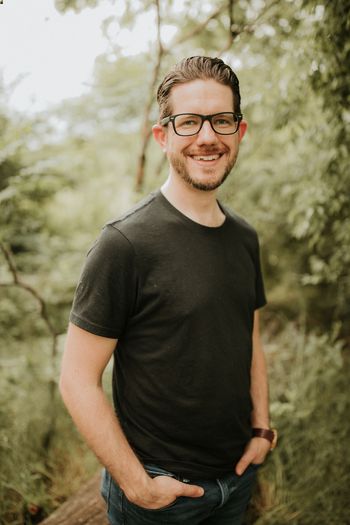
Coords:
pixel 206 157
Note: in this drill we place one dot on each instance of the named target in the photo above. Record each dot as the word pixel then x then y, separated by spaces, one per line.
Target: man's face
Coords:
pixel 202 161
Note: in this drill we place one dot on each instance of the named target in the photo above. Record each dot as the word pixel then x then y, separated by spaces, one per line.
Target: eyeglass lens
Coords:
pixel 224 123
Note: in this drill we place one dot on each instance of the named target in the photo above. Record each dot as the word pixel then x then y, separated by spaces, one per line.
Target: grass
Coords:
pixel 306 480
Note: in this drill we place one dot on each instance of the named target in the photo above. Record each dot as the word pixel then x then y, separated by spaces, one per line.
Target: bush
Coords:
pixel 36 474
pixel 306 479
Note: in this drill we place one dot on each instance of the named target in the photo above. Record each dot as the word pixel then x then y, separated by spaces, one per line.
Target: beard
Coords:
pixel 179 165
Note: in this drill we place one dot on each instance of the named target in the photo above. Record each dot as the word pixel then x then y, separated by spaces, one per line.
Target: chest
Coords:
pixel 188 276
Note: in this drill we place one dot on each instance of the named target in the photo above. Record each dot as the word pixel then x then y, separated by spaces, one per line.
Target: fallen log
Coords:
pixel 86 507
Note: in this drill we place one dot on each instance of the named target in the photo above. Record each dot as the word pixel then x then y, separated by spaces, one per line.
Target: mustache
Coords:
pixel 206 151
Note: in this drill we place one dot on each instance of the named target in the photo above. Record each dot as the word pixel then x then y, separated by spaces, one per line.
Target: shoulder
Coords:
pixel 240 224
pixel 139 214
pixel 111 244
pixel 145 223
pixel 117 237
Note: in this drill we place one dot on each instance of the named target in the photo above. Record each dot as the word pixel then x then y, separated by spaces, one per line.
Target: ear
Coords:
pixel 242 129
pixel 160 135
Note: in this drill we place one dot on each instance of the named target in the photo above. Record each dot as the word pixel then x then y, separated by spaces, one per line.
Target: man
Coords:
pixel 172 289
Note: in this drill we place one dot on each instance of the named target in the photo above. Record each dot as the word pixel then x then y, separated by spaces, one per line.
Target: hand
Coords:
pixel 255 452
pixel 163 491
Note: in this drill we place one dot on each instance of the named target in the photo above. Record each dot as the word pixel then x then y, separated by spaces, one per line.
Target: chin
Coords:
pixel 201 180
pixel 206 183
pixel 209 179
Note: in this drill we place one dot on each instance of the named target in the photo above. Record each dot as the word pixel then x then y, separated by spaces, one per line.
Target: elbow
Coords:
pixel 62 387
pixel 66 386
pixel 72 384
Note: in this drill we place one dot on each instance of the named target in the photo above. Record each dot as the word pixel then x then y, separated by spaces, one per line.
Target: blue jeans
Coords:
pixel 224 501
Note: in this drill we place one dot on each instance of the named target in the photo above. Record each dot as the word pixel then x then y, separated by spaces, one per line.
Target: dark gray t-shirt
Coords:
pixel 180 297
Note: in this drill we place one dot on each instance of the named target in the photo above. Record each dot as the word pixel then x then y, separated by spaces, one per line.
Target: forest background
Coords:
pixel 67 170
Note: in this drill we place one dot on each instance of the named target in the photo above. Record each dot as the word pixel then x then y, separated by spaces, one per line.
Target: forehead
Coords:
pixel 201 96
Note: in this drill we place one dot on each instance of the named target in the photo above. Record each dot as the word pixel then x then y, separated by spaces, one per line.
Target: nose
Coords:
pixel 206 135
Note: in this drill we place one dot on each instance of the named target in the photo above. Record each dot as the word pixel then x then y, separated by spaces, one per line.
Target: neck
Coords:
pixel 198 205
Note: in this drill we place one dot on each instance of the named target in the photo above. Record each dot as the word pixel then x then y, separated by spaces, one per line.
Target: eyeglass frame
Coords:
pixel 171 118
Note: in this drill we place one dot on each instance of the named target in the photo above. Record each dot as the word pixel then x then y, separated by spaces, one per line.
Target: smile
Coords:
pixel 206 158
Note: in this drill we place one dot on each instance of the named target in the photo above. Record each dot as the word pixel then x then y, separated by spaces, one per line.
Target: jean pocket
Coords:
pixel 128 505
pixel 105 487
pixel 155 471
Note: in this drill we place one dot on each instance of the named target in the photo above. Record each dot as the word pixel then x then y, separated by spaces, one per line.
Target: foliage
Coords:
pixel 331 78
pixel 306 478
pixel 33 480
pixel 296 148
pixel 75 5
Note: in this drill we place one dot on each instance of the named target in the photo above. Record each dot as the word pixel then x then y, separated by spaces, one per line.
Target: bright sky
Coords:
pixel 55 53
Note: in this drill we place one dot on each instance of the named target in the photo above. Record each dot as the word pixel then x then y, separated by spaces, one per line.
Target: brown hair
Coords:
pixel 194 68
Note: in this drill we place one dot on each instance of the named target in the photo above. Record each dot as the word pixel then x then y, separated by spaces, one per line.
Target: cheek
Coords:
pixel 232 146
pixel 178 145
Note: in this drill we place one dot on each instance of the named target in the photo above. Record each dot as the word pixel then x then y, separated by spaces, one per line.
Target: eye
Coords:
pixel 187 121
pixel 223 121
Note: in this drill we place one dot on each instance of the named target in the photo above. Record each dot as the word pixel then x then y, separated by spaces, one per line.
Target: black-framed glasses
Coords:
pixel 187 124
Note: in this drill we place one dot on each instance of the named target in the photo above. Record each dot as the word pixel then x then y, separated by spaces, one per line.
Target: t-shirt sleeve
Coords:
pixel 260 297
pixel 106 292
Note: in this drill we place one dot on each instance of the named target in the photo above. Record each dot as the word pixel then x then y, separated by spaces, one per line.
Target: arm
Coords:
pixel 85 357
pixel 259 384
pixel 257 447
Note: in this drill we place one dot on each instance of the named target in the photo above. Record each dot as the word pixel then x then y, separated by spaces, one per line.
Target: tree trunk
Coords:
pixel 86 507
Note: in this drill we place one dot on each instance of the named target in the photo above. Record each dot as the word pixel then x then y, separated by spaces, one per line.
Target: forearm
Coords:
pixel 259 390
pixel 98 424
pixel 257 447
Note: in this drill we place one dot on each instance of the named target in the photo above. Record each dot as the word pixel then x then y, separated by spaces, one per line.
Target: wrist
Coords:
pixel 138 491
pixel 270 434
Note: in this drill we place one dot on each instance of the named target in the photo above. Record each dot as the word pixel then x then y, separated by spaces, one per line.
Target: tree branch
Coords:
pixel 231 18
pixel 17 281
pixel 235 29
pixel 146 132
pixel 200 27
